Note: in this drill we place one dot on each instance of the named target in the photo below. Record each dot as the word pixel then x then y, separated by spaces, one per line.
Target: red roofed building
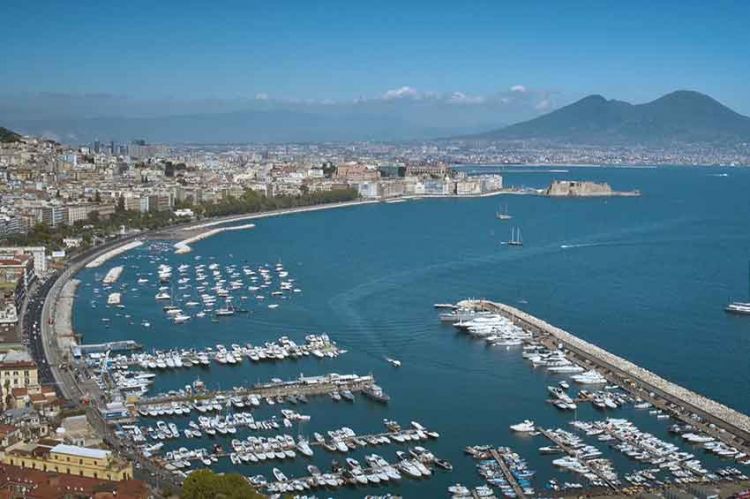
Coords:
pixel 9 434
pixel 36 484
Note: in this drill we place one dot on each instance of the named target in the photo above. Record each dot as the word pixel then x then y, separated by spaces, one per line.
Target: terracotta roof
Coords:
pixel 5 429
pixel 43 485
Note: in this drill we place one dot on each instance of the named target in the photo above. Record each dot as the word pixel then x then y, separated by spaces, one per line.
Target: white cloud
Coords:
pixel 400 93
pixel 518 88
pixel 261 96
pixel 462 98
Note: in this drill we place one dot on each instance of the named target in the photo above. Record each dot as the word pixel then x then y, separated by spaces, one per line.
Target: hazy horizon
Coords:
pixel 396 70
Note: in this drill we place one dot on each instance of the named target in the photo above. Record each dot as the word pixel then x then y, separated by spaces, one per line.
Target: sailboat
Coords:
pixel 515 237
pixel 503 215
pixel 738 307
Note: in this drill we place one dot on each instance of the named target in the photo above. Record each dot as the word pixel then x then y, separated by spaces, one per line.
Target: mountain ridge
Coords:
pixel 681 116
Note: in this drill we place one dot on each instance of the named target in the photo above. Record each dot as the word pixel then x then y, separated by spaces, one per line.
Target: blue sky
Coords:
pixel 340 51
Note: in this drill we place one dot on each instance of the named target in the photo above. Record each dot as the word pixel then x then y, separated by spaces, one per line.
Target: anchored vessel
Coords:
pixel 515 237
pixel 503 215
pixel 738 307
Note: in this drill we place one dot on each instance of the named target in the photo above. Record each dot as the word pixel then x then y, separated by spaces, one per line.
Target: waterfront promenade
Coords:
pixel 711 417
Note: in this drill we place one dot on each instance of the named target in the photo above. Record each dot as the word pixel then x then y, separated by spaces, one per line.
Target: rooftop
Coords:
pixel 75 450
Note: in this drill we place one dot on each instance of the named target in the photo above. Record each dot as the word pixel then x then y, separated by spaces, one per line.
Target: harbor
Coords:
pixel 685 405
pixel 468 385
pixel 562 354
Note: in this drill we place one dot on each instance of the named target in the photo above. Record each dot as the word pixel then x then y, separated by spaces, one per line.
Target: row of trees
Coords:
pixel 254 202
pixel 250 202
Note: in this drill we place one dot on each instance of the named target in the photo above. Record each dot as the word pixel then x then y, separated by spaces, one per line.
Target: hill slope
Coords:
pixel 8 135
pixel 682 116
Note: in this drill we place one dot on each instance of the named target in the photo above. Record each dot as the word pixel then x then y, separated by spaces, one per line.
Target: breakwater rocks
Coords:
pixel 714 412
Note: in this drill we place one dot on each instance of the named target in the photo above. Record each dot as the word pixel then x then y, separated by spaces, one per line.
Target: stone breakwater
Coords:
pixel 184 245
pixel 99 260
pixel 720 414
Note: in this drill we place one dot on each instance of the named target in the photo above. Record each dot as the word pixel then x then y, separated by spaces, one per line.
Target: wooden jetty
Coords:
pixel 508 474
pixel 317 385
pixel 676 400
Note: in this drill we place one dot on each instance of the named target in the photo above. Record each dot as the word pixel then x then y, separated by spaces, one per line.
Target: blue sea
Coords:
pixel 645 277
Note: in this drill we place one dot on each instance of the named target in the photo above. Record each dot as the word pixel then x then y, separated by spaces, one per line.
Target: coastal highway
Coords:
pixel 32 330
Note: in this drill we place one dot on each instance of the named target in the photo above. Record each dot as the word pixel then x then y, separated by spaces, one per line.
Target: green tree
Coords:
pixel 205 484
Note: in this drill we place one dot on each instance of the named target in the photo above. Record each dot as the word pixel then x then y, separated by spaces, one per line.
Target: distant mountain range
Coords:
pixel 397 120
pixel 679 117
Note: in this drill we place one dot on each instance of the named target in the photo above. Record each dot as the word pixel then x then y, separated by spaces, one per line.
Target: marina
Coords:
pixel 680 402
pixel 315 385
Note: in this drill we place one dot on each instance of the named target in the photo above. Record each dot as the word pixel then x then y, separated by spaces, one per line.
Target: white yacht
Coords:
pixel 526 426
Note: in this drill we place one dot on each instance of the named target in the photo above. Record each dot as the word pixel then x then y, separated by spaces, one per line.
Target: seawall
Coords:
pixel 718 414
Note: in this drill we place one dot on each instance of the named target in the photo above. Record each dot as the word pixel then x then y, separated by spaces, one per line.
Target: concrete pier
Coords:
pixel 322 385
pixel 572 452
pixel 520 494
pixel 112 346
pixel 678 401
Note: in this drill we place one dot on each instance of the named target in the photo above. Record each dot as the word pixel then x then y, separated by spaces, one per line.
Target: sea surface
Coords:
pixel 646 278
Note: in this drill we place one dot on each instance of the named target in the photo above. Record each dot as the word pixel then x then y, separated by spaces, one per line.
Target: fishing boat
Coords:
pixel 503 215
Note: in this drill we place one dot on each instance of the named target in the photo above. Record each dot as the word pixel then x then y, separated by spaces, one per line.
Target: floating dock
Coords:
pixel 729 426
pixel 520 494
